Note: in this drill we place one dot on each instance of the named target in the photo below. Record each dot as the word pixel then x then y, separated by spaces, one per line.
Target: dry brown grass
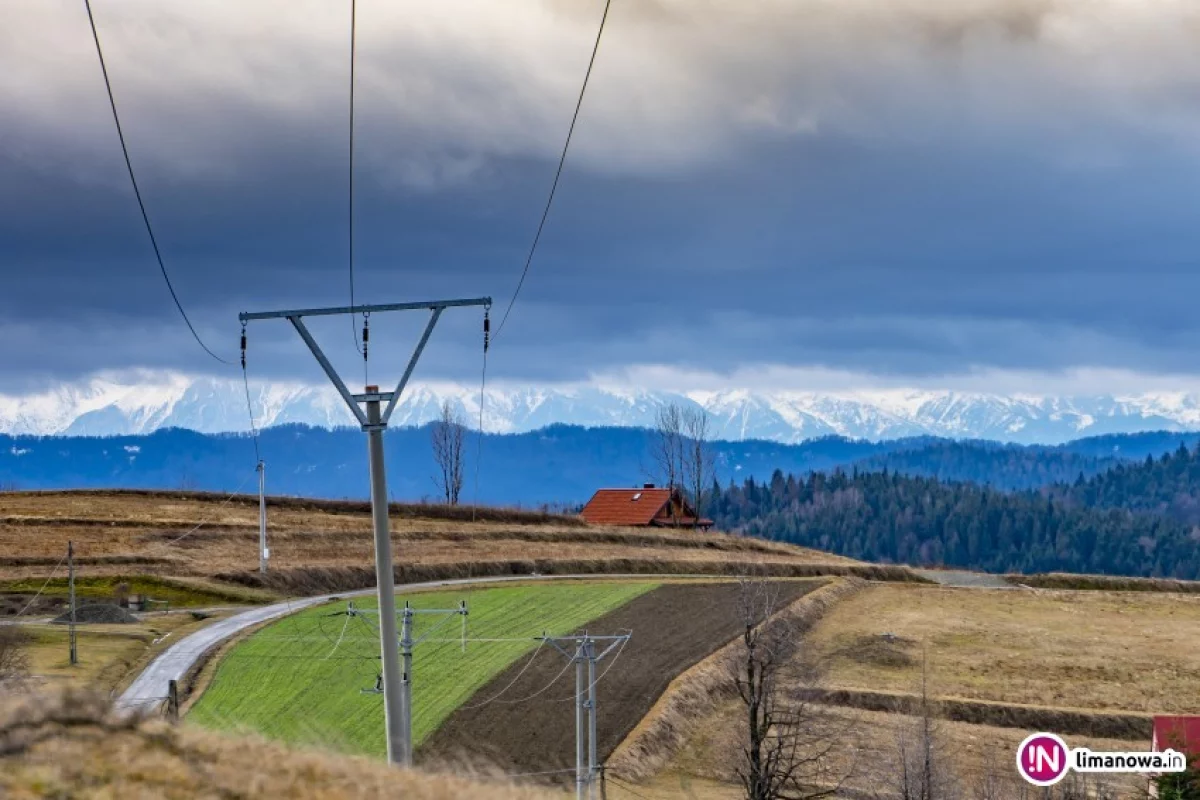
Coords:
pixel 1109 583
pixel 870 739
pixel 697 692
pixel 69 745
pixel 1110 651
pixel 108 654
pixel 130 532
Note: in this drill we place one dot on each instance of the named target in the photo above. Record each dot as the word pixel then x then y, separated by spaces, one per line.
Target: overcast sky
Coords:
pixel 909 191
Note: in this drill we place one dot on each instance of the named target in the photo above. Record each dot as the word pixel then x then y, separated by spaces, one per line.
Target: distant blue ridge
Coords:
pixel 559 464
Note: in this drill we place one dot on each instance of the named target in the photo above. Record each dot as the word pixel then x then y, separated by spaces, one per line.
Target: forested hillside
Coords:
pixel 1168 485
pixel 990 464
pixel 884 516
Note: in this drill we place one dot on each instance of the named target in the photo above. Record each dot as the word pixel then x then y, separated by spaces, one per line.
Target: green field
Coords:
pixel 301 679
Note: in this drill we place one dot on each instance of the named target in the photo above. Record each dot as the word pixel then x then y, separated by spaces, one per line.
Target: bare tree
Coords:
pixel 923 766
pixel 788 741
pixel 668 450
pixel 698 464
pixel 449 435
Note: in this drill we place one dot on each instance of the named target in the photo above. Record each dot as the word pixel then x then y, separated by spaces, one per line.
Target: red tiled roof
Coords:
pixel 1178 733
pixel 619 506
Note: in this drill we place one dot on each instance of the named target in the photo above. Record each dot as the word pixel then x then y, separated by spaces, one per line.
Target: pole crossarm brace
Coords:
pixel 354 401
pixel 369 309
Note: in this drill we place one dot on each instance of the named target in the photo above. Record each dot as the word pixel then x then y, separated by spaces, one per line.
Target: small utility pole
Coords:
pixel 71 589
pixel 589 652
pixel 374 421
pixel 407 643
pixel 263 553
pixel 406 655
pixel 580 710
pixel 581 650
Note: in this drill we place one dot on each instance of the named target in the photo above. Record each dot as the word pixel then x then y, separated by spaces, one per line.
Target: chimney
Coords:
pixel 647 485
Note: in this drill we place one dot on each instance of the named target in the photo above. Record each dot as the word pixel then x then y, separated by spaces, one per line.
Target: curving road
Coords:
pixel 173 663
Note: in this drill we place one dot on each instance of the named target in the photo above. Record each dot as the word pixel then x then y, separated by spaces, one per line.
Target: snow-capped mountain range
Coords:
pixel 104 406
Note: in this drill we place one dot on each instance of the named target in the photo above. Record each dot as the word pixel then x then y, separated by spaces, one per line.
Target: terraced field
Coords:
pixel 301 679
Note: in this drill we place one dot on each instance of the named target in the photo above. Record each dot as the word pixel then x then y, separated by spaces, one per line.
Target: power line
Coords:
pixel 558 173
pixel 211 517
pixel 249 405
pixel 137 192
pixel 353 48
pixel 511 683
pixel 625 786
pixel 44 585
pixel 487 333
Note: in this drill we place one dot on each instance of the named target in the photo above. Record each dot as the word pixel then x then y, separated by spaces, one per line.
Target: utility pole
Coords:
pixel 71 590
pixel 263 553
pixel 407 643
pixel 581 650
pixel 589 652
pixel 580 710
pixel 374 421
pixel 406 655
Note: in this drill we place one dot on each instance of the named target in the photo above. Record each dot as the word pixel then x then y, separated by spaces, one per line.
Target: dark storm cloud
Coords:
pixel 923 189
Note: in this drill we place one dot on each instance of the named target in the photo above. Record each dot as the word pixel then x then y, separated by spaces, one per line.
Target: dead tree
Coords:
pixel 789 741
pixel 668 451
pixel 698 464
pixel 923 766
pixel 449 435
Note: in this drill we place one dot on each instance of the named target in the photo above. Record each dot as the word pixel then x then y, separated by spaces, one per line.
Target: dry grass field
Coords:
pixel 1096 650
pixel 867 747
pixel 132 533
pixel 70 746
pixel 107 654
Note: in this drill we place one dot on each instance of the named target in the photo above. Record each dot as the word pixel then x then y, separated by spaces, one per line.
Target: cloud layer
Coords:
pixel 918 188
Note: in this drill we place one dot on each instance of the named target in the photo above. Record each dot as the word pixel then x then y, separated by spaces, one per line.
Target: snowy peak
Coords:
pixel 105 406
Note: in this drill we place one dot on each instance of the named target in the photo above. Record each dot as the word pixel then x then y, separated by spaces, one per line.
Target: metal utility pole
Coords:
pixel 407 643
pixel 589 652
pixel 374 422
pixel 71 589
pixel 406 653
pixel 580 733
pixel 582 651
pixel 263 553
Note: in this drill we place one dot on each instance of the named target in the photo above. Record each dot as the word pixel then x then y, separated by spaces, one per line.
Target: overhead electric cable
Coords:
pixel 137 192
pixel 249 405
pixel 487 332
pixel 353 48
pixel 562 159
pixel 44 585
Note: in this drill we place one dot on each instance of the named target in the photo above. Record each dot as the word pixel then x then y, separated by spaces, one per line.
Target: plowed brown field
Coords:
pixel 672 628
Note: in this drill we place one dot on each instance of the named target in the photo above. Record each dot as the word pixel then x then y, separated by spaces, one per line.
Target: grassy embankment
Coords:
pixel 68 745
pixel 301 679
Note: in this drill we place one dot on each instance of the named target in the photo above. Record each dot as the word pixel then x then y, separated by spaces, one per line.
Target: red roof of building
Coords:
pixel 625 506
pixel 637 507
pixel 1177 733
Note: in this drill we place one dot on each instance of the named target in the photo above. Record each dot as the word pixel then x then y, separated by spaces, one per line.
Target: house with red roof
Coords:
pixel 1181 734
pixel 648 506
